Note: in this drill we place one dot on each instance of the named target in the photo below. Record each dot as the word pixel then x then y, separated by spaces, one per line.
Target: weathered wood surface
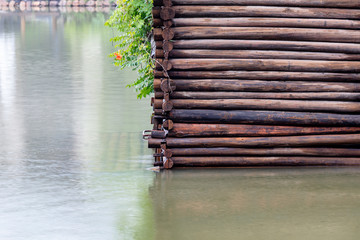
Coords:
pixel 226 130
pixel 265 11
pixel 264 45
pixel 264 117
pixel 282 141
pixel 258 86
pixel 256 82
pixel 261 33
pixel 264 75
pixel 263 22
pixel 331 96
pixel 264 104
pixel 256 54
pixel 264 65
pixel 324 152
pixel 295 3
pixel 263 161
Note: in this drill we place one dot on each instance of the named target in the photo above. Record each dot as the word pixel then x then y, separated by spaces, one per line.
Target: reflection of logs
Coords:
pixel 262 161
pixel 324 152
pixel 209 130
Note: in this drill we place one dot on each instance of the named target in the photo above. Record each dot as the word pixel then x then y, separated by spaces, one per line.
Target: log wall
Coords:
pixel 256 83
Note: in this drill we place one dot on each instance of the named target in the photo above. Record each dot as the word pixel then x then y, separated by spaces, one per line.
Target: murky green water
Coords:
pixel 73 165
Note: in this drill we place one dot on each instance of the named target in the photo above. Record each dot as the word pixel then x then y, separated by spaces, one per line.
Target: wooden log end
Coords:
pixel 168 163
pixel 168 124
pixel 168 34
pixel 167 13
pixel 167 85
pixel 167 46
pixel 167 106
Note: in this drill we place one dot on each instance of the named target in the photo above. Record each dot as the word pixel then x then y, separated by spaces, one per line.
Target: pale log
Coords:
pixel 256 54
pixel 265 11
pixel 265 33
pixel 263 75
pixel 331 96
pixel 264 45
pixel 282 141
pixel 264 104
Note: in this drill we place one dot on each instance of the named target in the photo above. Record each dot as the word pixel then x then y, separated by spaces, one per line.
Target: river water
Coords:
pixel 73 165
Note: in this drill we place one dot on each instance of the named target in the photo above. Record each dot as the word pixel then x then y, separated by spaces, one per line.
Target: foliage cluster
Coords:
pixel 133 22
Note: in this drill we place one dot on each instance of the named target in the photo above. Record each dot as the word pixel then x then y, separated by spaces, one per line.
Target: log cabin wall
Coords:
pixel 256 83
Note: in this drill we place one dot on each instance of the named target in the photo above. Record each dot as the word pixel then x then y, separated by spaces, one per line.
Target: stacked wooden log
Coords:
pixel 256 82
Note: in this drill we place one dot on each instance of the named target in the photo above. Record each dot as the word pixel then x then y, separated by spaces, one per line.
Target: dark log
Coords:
pixel 265 33
pixel 257 86
pixel 261 11
pixel 264 117
pixel 264 45
pixel 345 96
pixel 229 130
pixel 294 3
pixel 157 32
pixel 167 13
pixel 156 12
pixel 262 104
pixel 262 161
pixel 266 65
pixel 329 152
pixel 264 75
pixel 263 22
pixel 283 141
pixel 256 54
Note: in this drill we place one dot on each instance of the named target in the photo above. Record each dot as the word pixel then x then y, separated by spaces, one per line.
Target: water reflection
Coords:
pixel 72 162
pixel 305 203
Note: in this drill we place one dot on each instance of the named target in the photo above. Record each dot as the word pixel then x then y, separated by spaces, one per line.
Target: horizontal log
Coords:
pixel 263 75
pixel 264 104
pixel 328 152
pixel 257 85
pixel 264 117
pixel 294 3
pixel 264 11
pixel 265 65
pixel 256 54
pixel 345 96
pixel 264 33
pixel 234 44
pixel 263 22
pixel 156 12
pixel 229 130
pixel 283 141
pixel 262 161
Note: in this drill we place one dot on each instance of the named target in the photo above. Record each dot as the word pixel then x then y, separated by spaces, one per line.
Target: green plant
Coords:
pixel 133 21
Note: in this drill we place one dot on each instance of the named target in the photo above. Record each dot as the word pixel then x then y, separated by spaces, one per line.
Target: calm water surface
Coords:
pixel 73 165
